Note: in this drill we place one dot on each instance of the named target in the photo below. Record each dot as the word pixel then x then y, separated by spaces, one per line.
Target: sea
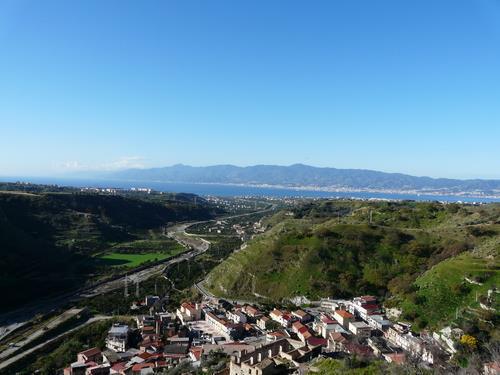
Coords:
pixel 223 190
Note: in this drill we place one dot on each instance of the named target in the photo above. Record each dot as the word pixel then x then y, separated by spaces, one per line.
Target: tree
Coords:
pixel 469 341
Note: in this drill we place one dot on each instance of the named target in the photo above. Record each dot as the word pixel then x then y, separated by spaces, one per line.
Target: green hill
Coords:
pixel 443 293
pixel 47 240
pixel 330 249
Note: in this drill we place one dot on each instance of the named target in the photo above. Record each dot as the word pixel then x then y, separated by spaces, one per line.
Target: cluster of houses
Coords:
pixel 257 342
pixel 360 327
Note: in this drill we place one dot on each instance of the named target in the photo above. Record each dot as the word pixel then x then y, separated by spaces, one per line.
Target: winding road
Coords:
pixel 17 318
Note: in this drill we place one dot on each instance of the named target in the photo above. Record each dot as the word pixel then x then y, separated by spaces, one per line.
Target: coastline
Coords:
pixel 240 189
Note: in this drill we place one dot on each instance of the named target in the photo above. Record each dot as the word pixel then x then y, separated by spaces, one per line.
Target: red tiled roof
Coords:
pixel 300 313
pixel 316 341
pixel 328 320
pixel 276 312
pixel 344 314
pixel 119 366
pixel 398 358
pixel 303 329
pixel 144 355
pixel 251 310
pixel 139 366
pixel 189 306
pixel 91 352
pixel 369 298
pixel 358 349
pixel 287 316
pixel 197 351
pixel 306 335
pixel 337 336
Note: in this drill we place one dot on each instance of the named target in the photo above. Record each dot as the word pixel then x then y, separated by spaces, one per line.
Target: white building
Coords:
pixel 223 327
pixel 117 339
pixel 237 316
pixel 378 322
pixel 343 317
pixel 189 312
pixel 283 318
pixel 360 329
pixel 325 324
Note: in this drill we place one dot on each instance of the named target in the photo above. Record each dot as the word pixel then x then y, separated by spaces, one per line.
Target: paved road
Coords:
pixel 10 361
pixel 19 317
pixel 197 245
pixel 40 331
pixel 206 293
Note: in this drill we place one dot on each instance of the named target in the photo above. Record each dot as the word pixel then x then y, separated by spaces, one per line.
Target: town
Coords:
pixel 226 337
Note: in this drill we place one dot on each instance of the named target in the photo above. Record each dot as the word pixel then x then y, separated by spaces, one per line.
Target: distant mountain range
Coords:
pixel 305 176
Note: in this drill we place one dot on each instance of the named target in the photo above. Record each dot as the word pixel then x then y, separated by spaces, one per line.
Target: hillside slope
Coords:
pixel 329 249
pixel 47 240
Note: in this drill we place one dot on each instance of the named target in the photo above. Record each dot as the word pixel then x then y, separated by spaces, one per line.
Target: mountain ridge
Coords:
pixel 301 175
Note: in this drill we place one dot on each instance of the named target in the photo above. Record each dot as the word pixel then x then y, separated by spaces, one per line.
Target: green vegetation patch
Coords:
pixel 443 291
pixel 133 260
pixel 354 366
pixel 413 255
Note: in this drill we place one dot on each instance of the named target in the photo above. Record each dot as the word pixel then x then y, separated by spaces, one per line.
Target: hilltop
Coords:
pixel 300 175
pixel 329 248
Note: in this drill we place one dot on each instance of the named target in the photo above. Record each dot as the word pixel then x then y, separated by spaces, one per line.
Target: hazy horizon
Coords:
pixel 99 173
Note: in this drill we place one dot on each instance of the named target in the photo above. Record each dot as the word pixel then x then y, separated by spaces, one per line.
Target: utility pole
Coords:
pixel 156 289
pixel 125 292
pixel 137 288
pixel 371 216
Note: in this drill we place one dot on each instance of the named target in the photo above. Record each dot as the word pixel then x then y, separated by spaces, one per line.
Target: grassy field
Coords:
pixel 133 260
pixel 443 289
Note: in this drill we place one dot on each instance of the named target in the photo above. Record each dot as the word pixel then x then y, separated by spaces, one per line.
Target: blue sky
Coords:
pixel 395 86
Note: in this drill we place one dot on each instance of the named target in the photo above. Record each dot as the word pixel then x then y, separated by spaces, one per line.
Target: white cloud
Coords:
pixel 124 162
